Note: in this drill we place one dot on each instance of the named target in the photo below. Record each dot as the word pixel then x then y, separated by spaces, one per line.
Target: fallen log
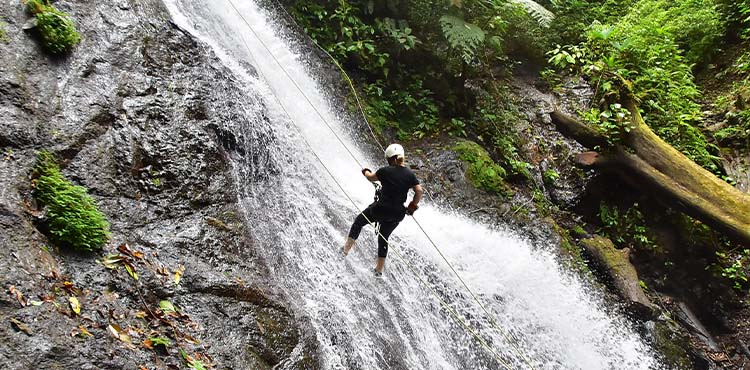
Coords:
pixel 615 263
pixel 648 163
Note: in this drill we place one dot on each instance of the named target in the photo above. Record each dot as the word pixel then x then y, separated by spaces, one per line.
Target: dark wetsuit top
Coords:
pixel 396 181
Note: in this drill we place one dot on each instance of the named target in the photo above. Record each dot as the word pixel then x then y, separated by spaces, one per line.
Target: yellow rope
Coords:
pixel 443 303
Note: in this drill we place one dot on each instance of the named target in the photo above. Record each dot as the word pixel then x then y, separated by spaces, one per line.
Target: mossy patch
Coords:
pixel 482 171
pixel 568 246
pixel 613 259
pixel 3 33
pixel 57 30
pixel 72 216
pixel 671 344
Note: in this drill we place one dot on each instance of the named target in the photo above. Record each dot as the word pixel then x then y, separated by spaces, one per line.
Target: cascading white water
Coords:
pixel 299 218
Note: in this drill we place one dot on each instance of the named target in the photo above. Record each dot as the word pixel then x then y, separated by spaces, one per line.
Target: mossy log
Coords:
pixel 650 164
pixel 616 264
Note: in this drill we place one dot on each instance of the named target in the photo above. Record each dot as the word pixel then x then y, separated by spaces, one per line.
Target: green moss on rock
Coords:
pixel 481 171
pixel 57 30
pixel 671 344
pixel 73 218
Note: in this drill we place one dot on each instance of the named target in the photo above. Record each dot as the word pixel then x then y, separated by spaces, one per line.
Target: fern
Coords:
pixel 462 36
pixel 537 11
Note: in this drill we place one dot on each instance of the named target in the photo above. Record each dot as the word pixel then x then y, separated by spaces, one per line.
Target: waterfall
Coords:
pixel 299 219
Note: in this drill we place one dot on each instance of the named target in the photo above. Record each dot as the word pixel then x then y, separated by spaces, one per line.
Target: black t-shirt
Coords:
pixel 396 181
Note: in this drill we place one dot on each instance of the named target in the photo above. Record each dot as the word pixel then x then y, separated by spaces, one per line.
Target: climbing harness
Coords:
pixel 378 191
pixel 413 270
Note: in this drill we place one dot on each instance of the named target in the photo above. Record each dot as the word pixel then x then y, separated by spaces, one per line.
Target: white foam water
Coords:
pixel 299 218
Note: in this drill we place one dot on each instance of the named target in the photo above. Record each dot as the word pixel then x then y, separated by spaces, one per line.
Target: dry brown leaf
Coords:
pixel 148 343
pixel 718 356
pixel 85 332
pixel 19 296
pixel 125 249
pixel 82 332
pixel 71 288
pixel 190 339
pixel 20 326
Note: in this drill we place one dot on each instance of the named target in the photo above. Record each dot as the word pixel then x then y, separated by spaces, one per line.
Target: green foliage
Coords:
pixel 457 127
pixel 524 37
pixel 694 25
pixel 735 267
pixel 625 228
pixel 737 13
pixel 573 17
pixel 399 31
pixel 482 171
pixel 536 11
pixel 73 217
pixel 743 10
pixel 613 121
pixel 643 285
pixel 647 55
pixel 494 117
pixel 343 33
pixel 736 103
pixel 412 58
pixel 579 231
pixel 550 176
pixel 543 206
pixel 193 363
pixel 57 30
pixel 160 341
pixel 464 37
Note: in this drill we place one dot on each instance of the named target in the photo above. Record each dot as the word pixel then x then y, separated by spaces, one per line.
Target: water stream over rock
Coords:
pixel 298 217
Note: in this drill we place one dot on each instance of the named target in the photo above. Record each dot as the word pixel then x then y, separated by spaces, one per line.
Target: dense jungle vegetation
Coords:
pixel 437 69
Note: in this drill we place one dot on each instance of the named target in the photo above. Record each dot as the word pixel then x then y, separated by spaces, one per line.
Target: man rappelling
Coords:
pixel 388 209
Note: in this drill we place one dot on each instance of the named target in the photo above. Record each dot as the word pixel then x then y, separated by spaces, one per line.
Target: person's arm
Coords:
pixel 413 205
pixel 417 194
pixel 372 176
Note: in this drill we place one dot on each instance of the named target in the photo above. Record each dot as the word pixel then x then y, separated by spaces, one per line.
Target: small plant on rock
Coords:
pixel 72 215
pixel 57 30
pixel 734 267
pixel 3 33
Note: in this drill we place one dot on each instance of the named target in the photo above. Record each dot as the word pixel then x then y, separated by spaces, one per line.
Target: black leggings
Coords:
pixel 387 220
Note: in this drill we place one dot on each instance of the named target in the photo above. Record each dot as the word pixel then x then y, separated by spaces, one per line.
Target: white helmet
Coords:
pixel 394 149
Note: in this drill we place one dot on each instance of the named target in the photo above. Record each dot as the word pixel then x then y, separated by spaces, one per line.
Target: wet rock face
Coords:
pixel 549 152
pixel 136 116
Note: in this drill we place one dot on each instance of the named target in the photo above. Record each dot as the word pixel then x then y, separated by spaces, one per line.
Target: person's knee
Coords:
pixel 383 251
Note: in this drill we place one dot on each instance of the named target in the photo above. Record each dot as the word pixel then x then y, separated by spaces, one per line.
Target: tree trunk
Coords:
pixel 648 163
pixel 616 264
